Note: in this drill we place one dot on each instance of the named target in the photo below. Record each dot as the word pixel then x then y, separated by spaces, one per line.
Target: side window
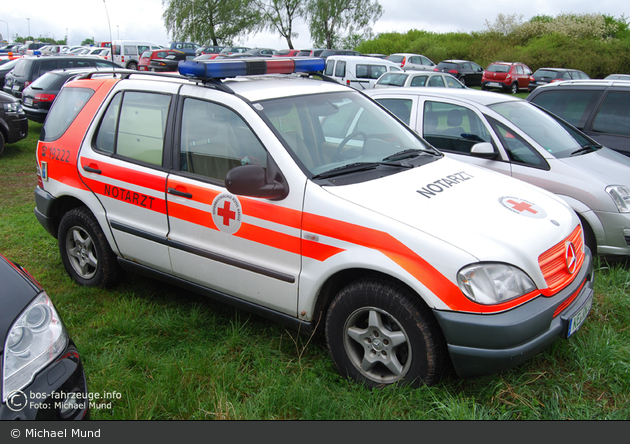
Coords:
pixel 453 128
pixel 427 62
pixel 401 108
pixel 436 81
pixel 215 139
pixel 452 82
pixel 134 126
pixel 572 106
pixel 614 115
pixel 47 65
pixel 419 81
pixel 340 69
pixel 518 149
pixel 519 69
pixel 330 67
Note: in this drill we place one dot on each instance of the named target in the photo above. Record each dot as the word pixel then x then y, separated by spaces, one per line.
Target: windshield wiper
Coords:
pixel 586 149
pixel 356 167
pixel 407 154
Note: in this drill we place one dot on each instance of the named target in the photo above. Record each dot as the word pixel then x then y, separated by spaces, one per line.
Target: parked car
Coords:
pixel 287 53
pixel 13 121
pixel 516 138
pixel 330 52
pixel 126 53
pixel 417 78
pixel 42 373
pixel 31 47
pixel 152 54
pixel 53 49
pixel 360 72
pixel 617 77
pixel 467 72
pixel 234 49
pixel 600 108
pixel 261 52
pixel 38 97
pixel 208 50
pixel 188 48
pixel 310 52
pixel 412 62
pixel 5 68
pixel 506 76
pixel 542 76
pixel 10 47
pixel 78 51
pixel 301 200
pixel 167 64
pixel 30 68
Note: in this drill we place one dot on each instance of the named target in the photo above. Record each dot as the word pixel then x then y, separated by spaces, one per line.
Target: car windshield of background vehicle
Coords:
pixel 539 126
pixel 329 131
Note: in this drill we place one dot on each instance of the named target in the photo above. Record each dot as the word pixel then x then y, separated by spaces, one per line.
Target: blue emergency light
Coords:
pixel 220 69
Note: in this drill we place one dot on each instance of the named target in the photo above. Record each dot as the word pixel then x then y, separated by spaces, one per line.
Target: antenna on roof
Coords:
pixel 110 39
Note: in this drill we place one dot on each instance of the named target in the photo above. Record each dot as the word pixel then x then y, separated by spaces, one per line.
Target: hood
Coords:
pixel 604 165
pixel 489 215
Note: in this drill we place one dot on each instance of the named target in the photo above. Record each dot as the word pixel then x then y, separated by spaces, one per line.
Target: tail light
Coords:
pixel 508 77
pixel 44 98
pixel 453 71
pixel 403 62
pixel 435 69
pixel 26 83
pixel 348 82
pixel 532 79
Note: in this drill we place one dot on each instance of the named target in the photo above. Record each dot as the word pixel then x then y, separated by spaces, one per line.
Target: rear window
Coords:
pixel 396 58
pixel 23 68
pixel 49 81
pixel 545 73
pixel 448 66
pixel 65 109
pixel 498 68
pixel 146 54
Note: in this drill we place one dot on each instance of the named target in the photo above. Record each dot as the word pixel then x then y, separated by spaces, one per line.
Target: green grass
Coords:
pixel 169 354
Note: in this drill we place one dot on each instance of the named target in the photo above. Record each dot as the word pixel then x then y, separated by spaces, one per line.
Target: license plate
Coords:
pixel 28 101
pixel 494 84
pixel 578 318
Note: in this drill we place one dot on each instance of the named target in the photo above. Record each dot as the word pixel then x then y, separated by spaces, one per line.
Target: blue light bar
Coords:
pixel 220 69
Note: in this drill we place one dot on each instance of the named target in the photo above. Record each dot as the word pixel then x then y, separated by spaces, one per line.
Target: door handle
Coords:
pixel 175 192
pixel 90 169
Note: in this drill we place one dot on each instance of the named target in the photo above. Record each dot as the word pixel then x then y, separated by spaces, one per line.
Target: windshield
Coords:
pixel 539 126
pixel 331 131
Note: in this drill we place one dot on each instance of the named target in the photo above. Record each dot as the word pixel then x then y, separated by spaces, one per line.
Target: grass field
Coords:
pixel 166 354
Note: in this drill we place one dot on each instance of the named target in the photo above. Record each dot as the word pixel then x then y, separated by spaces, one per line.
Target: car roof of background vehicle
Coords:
pixel 468 95
pixel 598 83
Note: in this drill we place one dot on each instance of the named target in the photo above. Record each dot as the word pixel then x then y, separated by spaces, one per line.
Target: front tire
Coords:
pixel 379 333
pixel 85 252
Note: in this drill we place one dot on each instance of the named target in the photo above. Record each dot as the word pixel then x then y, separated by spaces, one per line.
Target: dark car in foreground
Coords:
pixel 467 72
pixel 542 76
pixel 13 121
pixel 42 374
pixel 600 108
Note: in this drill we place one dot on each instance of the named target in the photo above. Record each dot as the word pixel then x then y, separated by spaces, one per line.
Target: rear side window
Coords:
pixel 340 69
pixel 134 126
pixel 66 107
pixel 370 71
pixel 614 115
pixel 572 106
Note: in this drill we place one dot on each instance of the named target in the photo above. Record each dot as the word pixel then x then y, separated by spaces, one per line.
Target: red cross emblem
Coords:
pixel 521 206
pixel 226 213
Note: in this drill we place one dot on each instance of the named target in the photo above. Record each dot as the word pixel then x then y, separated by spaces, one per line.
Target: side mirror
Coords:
pixel 484 150
pixel 251 180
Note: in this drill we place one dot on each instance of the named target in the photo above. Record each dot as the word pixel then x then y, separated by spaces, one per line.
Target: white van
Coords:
pixel 356 71
pixel 126 53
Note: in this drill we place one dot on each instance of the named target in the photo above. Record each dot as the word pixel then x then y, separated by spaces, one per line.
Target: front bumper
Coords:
pixel 18 127
pixel 43 399
pixel 483 344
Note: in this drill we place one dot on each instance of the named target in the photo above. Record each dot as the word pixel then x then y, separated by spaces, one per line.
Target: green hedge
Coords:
pixel 595 57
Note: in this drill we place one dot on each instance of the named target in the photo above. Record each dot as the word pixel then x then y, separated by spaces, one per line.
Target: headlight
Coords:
pixel 493 283
pixel 621 196
pixel 35 340
pixel 13 107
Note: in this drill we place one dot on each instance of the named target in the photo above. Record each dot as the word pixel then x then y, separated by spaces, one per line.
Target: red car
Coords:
pixel 147 56
pixel 287 53
pixel 506 76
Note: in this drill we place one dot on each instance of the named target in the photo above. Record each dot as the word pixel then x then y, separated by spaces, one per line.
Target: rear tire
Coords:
pixel 514 88
pixel 1 143
pixel 379 333
pixel 132 66
pixel 85 251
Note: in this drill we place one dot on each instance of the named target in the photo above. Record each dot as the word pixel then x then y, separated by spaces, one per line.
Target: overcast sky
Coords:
pixel 142 19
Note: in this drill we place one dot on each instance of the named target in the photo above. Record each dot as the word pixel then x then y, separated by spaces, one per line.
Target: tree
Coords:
pixel 330 21
pixel 211 21
pixel 88 42
pixel 278 16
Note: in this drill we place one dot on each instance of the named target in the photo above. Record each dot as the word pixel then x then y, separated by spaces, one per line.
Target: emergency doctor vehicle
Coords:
pixel 304 201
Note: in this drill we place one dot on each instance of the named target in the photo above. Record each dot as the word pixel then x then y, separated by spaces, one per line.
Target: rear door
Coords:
pixel 126 164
